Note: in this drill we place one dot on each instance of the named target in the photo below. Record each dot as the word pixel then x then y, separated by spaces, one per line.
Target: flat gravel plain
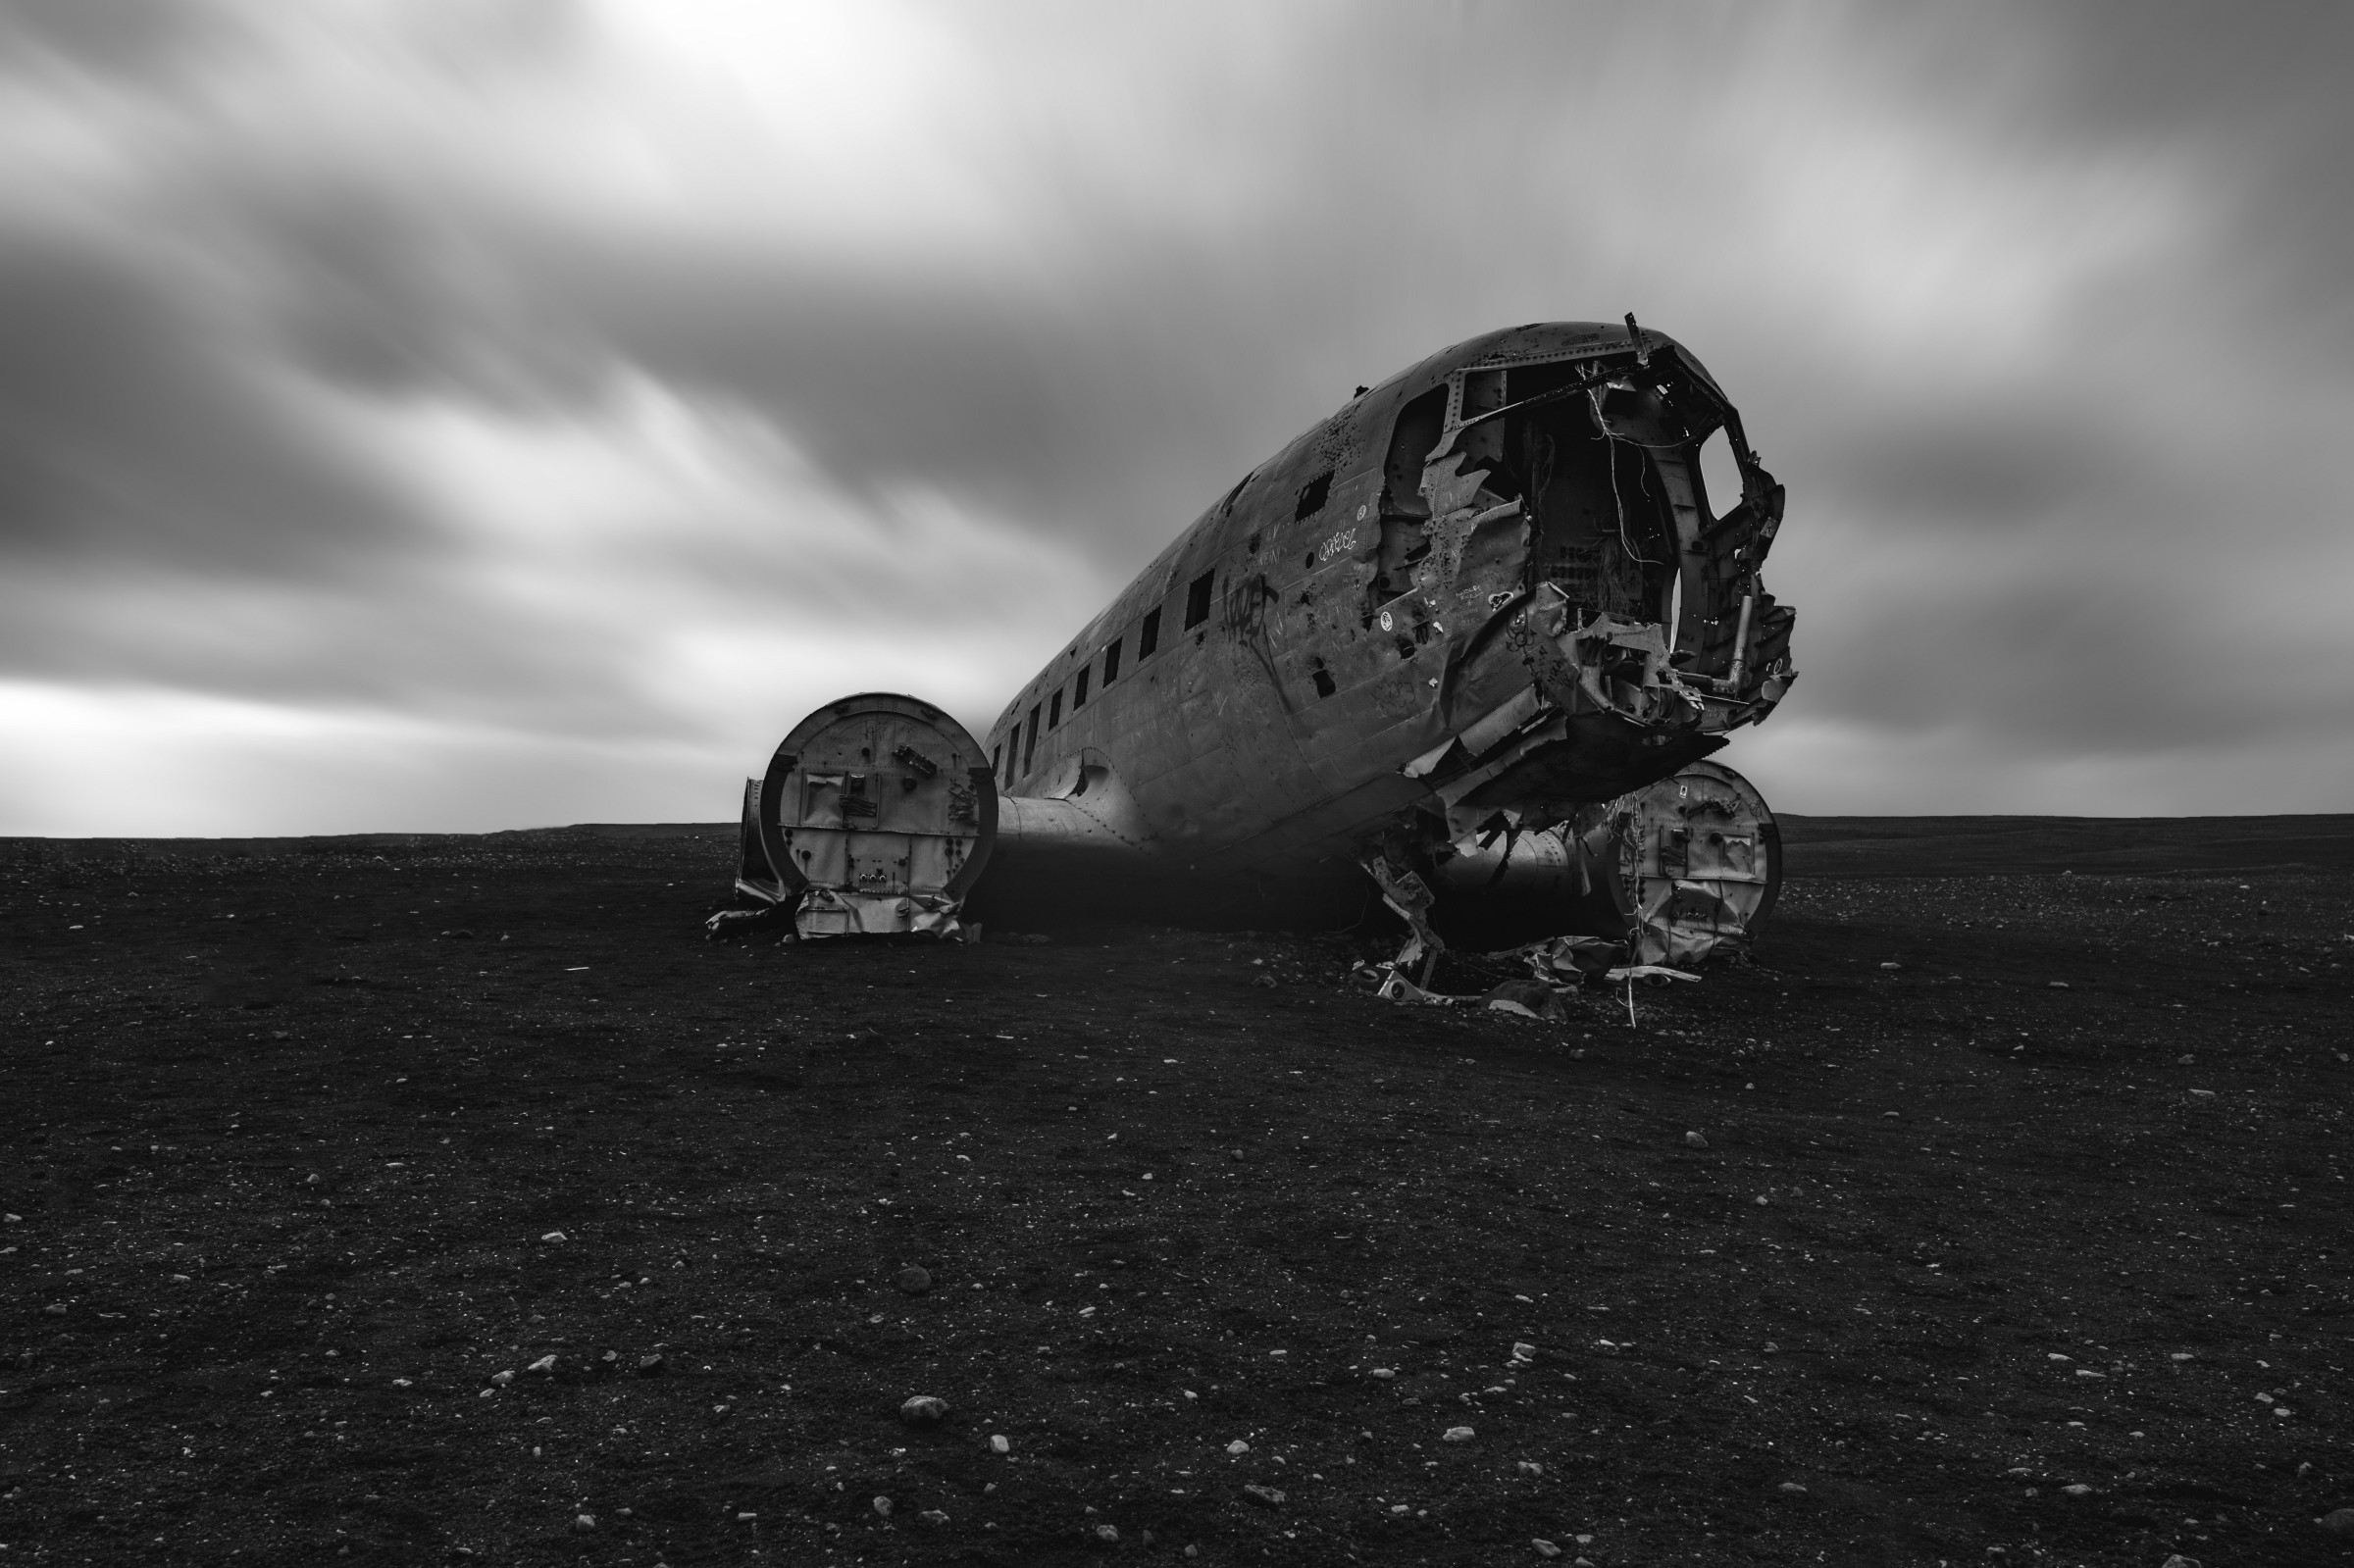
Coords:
pixel 450 1199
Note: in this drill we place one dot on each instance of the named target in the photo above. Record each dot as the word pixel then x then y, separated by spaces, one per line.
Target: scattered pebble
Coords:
pixel 1238 1446
pixel 1545 1548
pixel 546 1363
pixel 502 1378
pixel 1694 1140
pixel 924 1410
pixel 584 1522
pixel 932 1516
pixel 2337 1521
pixel 653 1366
pixel 913 1279
pixel 1385 1374
pixel 555 1236
pixel 1456 1435
pixel 1108 1532
pixel 1792 1487
pixel 1265 1497
pixel 997 1444
pixel 882 1505
pixel 2078 1488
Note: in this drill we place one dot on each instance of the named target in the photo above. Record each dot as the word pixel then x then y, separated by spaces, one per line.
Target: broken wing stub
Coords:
pixel 875 817
pixel 1694 862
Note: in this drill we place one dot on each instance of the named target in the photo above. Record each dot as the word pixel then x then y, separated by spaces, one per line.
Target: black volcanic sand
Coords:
pixel 1973 1268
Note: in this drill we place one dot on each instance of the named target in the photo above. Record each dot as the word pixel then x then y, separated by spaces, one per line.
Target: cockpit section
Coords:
pixel 1603 578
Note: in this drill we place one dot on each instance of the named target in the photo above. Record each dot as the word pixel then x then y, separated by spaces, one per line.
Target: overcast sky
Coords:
pixel 455 414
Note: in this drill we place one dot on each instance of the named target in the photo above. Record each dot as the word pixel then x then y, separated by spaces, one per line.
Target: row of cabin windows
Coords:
pixel 1147 640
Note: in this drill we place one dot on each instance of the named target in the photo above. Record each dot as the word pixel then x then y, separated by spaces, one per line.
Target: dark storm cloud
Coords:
pixel 140 40
pixel 1995 468
pixel 136 432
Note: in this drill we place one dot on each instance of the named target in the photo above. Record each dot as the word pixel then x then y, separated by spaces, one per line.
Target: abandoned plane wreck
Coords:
pixel 1464 647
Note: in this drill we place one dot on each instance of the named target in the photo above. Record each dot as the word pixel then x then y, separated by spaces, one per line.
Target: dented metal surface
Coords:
pixel 876 816
pixel 1457 632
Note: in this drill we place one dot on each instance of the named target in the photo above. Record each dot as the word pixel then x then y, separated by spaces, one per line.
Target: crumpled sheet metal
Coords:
pixel 836 912
pixel 1567 960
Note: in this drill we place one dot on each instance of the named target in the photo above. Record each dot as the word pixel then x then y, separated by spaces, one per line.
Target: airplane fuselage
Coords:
pixel 1493 584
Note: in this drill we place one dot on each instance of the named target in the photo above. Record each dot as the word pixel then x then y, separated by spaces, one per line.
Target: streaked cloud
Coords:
pixel 549 402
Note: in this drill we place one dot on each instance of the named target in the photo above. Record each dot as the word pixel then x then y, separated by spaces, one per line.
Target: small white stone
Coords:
pixel 1456 1435
pixel 546 1363
pixel 997 1444
pixel 555 1236
pixel 1238 1446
